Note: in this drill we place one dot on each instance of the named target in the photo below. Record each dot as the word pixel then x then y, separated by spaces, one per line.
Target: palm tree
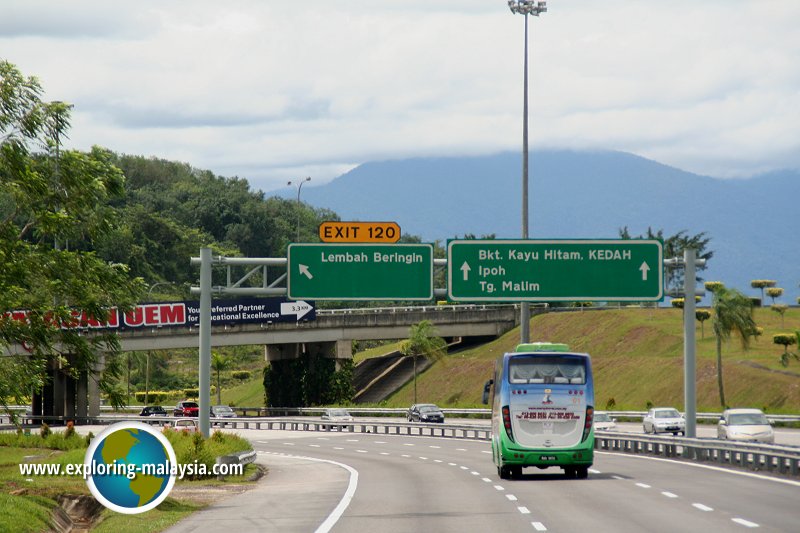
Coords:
pixel 422 340
pixel 219 363
pixel 733 312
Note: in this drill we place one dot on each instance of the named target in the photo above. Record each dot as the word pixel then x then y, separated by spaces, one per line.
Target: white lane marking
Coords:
pixel 702 507
pixel 499 487
pixel 313 445
pixel 380 442
pixel 538 526
pixel 593 471
pixel 435 447
pixel 452 464
pixel 361 451
pixel 352 440
pixel 745 523
pixel 262 441
pixel 708 467
pixel 618 477
pixel 484 451
pixel 384 453
pixel 464 468
pixel 437 461
pixel 338 448
pixel 323 438
pixel 339 510
pixel 643 485
pixel 511 497
pixel 288 443
pixel 669 494
pixel 486 480
pixel 524 510
pixel 461 449
pixel 405 455
pixel 408 444
pixel 474 473
pixel 424 458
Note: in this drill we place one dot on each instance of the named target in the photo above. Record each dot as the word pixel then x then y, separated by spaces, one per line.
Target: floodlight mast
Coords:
pixel 525 8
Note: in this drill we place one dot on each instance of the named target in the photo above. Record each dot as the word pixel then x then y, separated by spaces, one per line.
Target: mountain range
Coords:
pixel 753 223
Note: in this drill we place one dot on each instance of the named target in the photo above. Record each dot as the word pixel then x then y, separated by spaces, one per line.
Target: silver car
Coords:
pixel 745 425
pixel 604 422
pixel 664 420
pixel 336 415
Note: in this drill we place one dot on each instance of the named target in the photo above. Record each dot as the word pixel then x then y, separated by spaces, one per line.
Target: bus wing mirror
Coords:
pixel 486 387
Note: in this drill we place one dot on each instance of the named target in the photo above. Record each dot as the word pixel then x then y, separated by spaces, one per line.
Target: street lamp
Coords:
pixel 525 8
pixel 299 187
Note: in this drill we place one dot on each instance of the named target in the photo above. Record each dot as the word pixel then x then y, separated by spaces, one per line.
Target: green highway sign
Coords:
pixel 555 270
pixel 330 271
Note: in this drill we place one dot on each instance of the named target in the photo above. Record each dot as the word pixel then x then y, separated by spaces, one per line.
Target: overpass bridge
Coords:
pixel 330 335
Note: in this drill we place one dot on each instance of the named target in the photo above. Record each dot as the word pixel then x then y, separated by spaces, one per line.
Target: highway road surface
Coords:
pixel 345 482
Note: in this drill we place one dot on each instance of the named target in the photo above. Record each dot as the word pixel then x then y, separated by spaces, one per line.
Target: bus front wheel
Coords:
pixel 504 472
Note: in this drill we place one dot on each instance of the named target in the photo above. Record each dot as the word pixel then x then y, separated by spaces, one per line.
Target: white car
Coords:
pixel 664 420
pixel 604 422
pixel 336 415
pixel 745 425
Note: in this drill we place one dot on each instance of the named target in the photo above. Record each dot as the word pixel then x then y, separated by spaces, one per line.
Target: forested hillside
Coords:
pixel 170 210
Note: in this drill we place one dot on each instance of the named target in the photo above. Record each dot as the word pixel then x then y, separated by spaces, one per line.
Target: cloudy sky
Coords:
pixel 273 90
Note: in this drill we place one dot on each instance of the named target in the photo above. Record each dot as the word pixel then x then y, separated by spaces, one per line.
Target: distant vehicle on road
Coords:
pixel 664 420
pixel 186 408
pixel 153 410
pixel 222 411
pixel 425 412
pixel 604 422
pixel 336 415
pixel 745 425
pixel 188 424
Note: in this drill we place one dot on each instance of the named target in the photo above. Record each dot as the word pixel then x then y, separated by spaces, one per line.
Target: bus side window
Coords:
pixel 486 388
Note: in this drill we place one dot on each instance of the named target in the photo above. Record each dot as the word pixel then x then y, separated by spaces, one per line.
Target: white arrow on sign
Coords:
pixel 305 271
pixel 299 308
pixel 644 268
pixel 465 269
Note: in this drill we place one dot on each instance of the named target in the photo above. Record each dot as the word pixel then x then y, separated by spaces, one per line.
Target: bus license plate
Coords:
pixel 547 457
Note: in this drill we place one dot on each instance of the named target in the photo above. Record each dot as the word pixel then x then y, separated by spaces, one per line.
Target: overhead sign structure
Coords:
pixel 332 271
pixel 555 270
pixel 374 232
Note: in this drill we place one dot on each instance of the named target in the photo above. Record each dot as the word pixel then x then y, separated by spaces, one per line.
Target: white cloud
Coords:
pixel 272 90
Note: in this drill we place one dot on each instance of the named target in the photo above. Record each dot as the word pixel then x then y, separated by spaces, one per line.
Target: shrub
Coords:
pixel 44 431
pixel 153 396
pixel 70 431
pixel 241 374
pixel 610 404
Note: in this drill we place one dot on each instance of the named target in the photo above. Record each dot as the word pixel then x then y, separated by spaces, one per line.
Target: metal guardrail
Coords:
pixel 783 460
pixel 242 458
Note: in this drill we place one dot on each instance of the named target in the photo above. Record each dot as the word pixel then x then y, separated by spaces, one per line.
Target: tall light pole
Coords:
pixel 299 184
pixel 525 8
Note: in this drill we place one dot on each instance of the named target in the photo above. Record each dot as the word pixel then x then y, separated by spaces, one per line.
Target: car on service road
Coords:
pixel 153 410
pixel 745 425
pixel 425 412
pixel 336 415
pixel 604 422
pixel 186 408
pixel 222 411
pixel 188 424
pixel 664 420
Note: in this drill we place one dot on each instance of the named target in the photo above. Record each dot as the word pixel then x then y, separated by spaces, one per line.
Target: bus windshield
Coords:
pixel 547 369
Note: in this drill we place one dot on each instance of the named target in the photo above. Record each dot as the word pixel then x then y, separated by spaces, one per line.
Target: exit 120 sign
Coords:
pixel 344 232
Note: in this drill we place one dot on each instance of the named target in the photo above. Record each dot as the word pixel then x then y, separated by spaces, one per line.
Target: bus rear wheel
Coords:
pixel 504 472
pixel 582 472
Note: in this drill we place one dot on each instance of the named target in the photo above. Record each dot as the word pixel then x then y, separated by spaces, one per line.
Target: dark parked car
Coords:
pixel 186 408
pixel 425 412
pixel 153 410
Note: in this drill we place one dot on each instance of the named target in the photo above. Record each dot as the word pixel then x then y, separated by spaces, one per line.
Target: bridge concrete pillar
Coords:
pixel 280 352
pixel 93 388
pixel 59 392
pixel 82 396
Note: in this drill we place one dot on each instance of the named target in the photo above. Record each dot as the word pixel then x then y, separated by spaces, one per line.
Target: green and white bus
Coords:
pixel 542 409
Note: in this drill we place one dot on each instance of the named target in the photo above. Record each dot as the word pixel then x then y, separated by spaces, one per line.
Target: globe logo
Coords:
pixel 131 467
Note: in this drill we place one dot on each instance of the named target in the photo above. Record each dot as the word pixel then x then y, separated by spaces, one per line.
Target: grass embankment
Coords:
pixel 637 356
pixel 27 504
